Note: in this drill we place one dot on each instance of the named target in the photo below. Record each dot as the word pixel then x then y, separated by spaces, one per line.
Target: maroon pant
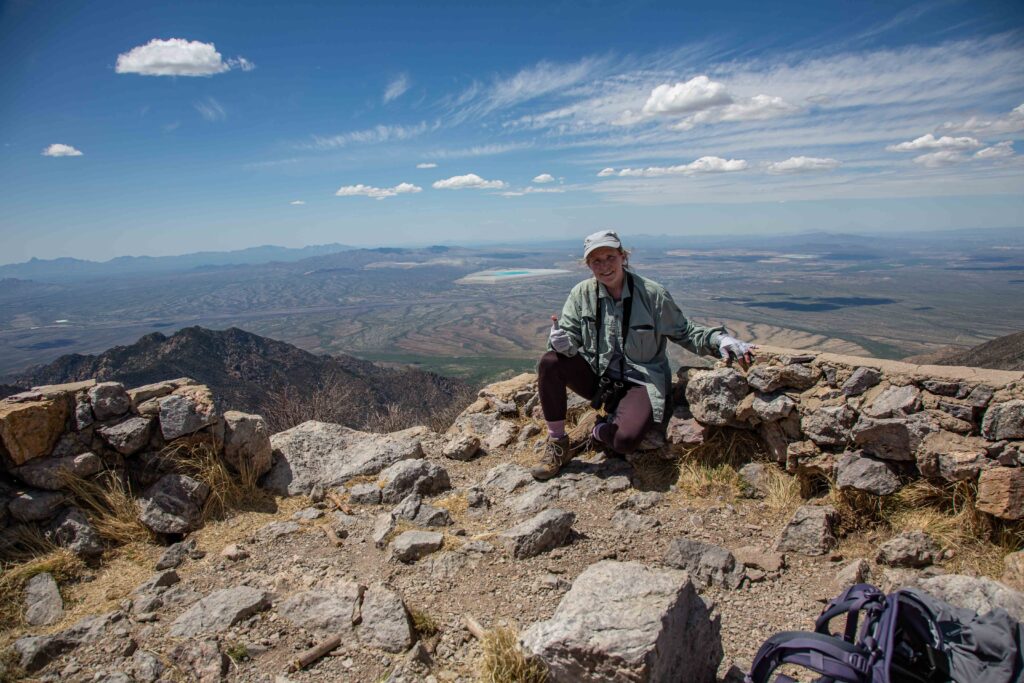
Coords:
pixel 556 373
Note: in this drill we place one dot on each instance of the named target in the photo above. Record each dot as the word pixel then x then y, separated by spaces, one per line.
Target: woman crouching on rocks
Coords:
pixel 609 347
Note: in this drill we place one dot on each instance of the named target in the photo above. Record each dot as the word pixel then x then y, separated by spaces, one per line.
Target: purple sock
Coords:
pixel 556 429
pixel 603 432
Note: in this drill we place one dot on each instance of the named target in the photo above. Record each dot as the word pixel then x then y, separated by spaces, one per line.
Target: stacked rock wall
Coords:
pixel 869 424
pixel 87 428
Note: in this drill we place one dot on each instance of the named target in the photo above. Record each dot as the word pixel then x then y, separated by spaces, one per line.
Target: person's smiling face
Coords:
pixel 606 265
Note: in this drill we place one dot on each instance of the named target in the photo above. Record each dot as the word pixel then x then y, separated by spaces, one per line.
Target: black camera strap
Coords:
pixel 627 307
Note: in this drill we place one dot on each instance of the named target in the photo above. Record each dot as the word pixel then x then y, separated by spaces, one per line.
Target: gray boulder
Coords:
pixel 412 476
pixel 623 621
pixel 146 667
pixel 128 437
pixel 1004 421
pixel 109 400
pixel 43 604
pixel 35 652
pixel 383 525
pixel 31 505
pixel 755 479
pixel 175 554
pixel 546 530
pixel 247 443
pixel 894 438
pixel 953 457
pixel 829 425
pixel 219 611
pixel 895 401
pixel 317 452
pixel 70 529
pixel 46 473
pixel 810 531
pixel 182 414
pixel 855 471
pixel 909 549
pixel 323 611
pixel 410 546
pixel 364 494
pixel 707 563
pixel 384 621
pixel 979 594
pixel 768 408
pixel 631 522
pixel 462 447
pixel 173 505
pixel 200 661
pixel 860 381
pixel 507 477
pixel 768 378
pixel 714 396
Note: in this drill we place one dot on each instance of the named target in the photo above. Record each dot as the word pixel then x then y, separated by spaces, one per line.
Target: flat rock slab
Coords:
pixel 43 604
pixel 410 546
pixel 544 531
pixel 979 594
pixel 334 611
pixel 128 437
pixel 856 471
pixel 328 454
pixel 412 476
pixel 46 473
pixel 219 611
pixel 623 621
pixel 384 621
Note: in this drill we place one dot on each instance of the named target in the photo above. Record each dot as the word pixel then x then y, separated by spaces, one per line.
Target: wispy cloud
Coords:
pixel 999 125
pixel 361 190
pixel 702 165
pixel 544 178
pixel 803 165
pixel 426 164
pixel 480 150
pixel 377 134
pixel 468 181
pixel 929 141
pixel 297 202
pixel 61 150
pixel 396 88
pixel 210 109
pixel 1003 150
pixel 177 57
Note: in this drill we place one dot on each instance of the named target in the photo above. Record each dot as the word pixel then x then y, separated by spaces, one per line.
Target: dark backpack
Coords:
pixel 907 636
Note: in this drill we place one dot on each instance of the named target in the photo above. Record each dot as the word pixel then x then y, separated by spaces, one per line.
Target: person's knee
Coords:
pixel 548 363
pixel 628 438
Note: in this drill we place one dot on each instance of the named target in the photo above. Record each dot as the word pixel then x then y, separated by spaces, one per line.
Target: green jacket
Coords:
pixel 654 319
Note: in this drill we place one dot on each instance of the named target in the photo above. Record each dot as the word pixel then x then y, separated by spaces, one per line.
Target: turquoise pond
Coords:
pixel 500 273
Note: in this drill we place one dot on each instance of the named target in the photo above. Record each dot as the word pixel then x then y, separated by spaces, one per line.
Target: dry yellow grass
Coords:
pixel 783 492
pixel 228 490
pixel 504 662
pixel 110 506
pixel 62 564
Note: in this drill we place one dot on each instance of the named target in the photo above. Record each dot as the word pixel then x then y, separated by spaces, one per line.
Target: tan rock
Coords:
pixel 799 451
pixel 1001 492
pixel 1013 574
pixel 30 430
pixel 506 390
pixel 69 389
pixel 148 392
pixel 952 457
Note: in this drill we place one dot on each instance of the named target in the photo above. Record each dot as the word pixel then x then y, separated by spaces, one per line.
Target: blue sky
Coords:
pixel 163 128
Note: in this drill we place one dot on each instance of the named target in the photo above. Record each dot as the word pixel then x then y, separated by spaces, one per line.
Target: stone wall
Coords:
pixel 87 428
pixel 869 424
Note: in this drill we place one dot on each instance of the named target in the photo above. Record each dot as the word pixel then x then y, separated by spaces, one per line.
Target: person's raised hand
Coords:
pixel 559 339
pixel 731 348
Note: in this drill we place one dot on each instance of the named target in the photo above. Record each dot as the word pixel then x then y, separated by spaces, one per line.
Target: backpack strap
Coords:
pixel 860 596
pixel 836 660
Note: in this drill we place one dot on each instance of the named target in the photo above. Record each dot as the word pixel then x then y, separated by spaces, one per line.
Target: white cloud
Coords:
pixel 377 134
pixel 946 157
pixel 396 88
pixel 999 151
pixel 297 202
pixel 177 57
pixel 695 94
pixel 757 108
pixel 59 150
pixel 210 109
pixel 480 150
pixel 802 165
pixel 544 178
pixel 702 165
pixel 1011 123
pixel 929 141
pixel 543 190
pixel 470 180
pixel 605 172
pixel 429 164
pixel 361 190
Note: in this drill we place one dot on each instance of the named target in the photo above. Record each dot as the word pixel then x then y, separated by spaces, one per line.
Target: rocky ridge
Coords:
pixel 386 543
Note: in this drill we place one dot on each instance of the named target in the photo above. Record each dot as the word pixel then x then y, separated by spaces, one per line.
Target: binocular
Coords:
pixel 609 393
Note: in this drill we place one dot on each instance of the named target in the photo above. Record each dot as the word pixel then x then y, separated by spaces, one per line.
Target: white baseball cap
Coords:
pixel 601 238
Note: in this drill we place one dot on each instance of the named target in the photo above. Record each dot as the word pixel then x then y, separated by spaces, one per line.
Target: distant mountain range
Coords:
pixel 1002 353
pixel 255 374
pixel 66 269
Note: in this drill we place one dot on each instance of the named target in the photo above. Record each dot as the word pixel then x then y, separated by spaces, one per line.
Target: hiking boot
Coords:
pixel 556 454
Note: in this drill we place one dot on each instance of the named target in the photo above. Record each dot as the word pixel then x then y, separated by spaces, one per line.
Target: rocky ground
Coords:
pixel 393 562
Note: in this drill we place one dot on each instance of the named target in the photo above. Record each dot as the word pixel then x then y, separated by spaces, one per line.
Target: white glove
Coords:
pixel 730 348
pixel 559 339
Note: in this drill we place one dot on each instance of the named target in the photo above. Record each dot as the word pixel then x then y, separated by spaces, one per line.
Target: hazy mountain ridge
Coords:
pixel 249 373
pixel 1002 353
